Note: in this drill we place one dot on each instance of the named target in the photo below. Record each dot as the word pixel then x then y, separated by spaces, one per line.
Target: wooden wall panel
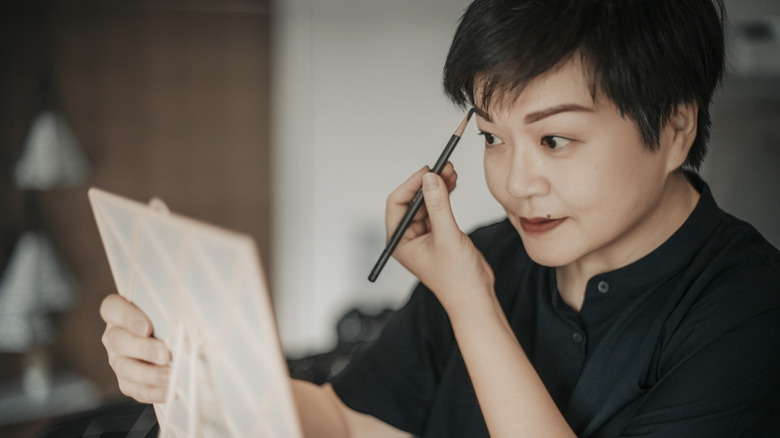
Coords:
pixel 169 99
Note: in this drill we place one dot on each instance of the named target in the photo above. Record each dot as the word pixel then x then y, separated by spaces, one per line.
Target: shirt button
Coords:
pixel 577 337
pixel 603 287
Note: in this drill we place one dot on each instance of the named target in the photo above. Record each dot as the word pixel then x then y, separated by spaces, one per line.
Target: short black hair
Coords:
pixel 647 56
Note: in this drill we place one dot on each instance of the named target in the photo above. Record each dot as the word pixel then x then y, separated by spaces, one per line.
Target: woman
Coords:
pixel 616 299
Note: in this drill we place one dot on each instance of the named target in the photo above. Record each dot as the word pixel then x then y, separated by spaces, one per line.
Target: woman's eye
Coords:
pixel 490 139
pixel 554 142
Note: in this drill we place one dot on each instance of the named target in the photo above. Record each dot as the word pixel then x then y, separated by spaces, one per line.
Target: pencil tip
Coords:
pixel 462 126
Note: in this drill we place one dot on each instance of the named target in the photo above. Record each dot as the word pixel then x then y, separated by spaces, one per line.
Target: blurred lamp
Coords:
pixel 51 156
pixel 34 285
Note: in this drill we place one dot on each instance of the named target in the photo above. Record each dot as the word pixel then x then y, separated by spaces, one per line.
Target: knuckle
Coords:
pixel 148 351
pixel 149 393
pixel 126 316
pixel 109 338
pixel 125 388
pixel 158 394
pixel 143 393
pixel 153 352
pixel 110 306
pixel 121 367
pixel 117 341
pixel 105 306
pixel 112 362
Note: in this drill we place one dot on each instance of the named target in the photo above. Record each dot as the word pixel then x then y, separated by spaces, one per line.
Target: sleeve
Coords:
pixel 722 377
pixel 394 378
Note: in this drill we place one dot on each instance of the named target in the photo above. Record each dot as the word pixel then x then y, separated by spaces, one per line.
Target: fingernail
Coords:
pixel 430 181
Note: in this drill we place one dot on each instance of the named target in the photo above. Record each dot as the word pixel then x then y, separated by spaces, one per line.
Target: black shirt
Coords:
pixel 684 342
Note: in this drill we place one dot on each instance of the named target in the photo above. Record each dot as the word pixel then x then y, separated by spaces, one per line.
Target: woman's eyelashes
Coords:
pixel 490 139
pixel 554 142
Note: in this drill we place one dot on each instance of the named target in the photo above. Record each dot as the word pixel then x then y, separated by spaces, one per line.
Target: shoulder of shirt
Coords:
pixel 747 243
pixel 738 274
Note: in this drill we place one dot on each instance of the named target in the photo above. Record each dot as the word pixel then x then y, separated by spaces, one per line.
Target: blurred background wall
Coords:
pixel 167 98
pixel 743 167
pixel 289 121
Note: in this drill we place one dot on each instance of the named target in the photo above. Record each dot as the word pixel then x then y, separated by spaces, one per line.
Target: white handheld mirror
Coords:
pixel 204 290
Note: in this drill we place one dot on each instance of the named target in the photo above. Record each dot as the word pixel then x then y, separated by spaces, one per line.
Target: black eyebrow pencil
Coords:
pixel 418 200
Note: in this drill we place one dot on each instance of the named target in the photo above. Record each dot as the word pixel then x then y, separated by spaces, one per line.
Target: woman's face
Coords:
pixel 573 175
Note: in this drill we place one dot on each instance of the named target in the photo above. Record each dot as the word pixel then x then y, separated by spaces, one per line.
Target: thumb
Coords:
pixel 437 203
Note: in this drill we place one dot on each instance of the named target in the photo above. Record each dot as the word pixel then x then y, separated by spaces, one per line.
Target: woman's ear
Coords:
pixel 679 132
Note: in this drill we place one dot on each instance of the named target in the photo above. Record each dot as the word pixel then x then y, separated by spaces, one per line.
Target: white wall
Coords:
pixel 358 107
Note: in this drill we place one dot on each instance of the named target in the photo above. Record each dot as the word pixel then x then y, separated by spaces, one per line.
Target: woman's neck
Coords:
pixel 676 204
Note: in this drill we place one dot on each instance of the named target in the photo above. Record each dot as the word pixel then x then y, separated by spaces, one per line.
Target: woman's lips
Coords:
pixel 539 225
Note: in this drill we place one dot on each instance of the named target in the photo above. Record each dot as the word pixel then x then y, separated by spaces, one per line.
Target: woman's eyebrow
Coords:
pixel 557 109
pixel 541 114
pixel 482 113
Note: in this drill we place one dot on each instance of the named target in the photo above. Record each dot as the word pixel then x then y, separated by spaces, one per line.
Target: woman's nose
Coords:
pixel 526 176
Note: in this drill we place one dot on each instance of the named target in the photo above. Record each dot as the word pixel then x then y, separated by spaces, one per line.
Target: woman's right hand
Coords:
pixel 140 361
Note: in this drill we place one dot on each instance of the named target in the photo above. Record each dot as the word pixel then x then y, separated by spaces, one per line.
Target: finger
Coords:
pixel 116 310
pixel 406 192
pixel 409 189
pixel 450 178
pixel 137 371
pixel 399 201
pixel 449 175
pixel 417 228
pixel 421 214
pixel 143 393
pixel 437 202
pixel 121 342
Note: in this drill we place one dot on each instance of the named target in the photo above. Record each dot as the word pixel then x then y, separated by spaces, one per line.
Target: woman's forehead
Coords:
pixel 568 84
